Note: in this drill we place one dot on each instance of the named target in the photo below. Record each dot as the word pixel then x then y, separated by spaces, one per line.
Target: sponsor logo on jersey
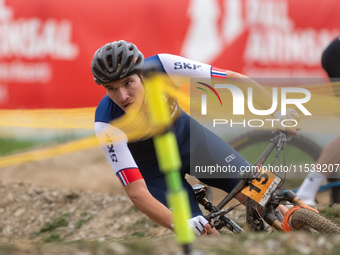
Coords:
pixel 230 158
pixel 110 148
pixel 183 65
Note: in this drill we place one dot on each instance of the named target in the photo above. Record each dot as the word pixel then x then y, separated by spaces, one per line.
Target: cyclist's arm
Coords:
pixel 261 96
pixel 147 204
pixel 176 66
pixel 114 143
pixel 156 211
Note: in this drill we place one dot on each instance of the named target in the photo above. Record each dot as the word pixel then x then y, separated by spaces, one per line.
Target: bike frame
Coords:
pixel 271 214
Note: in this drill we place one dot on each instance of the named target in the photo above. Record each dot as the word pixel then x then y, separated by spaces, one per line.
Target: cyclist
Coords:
pixel 330 61
pixel 118 67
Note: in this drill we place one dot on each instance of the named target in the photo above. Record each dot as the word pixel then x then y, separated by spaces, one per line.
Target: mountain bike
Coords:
pixel 301 149
pixel 263 199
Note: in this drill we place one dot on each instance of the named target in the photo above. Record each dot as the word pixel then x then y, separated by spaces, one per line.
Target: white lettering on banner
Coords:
pixel 233 23
pixel 273 13
pixel 202 36
pixel 286 47
pixel 5 12
pixel 33 38
pixel 273 39
pixel 21 72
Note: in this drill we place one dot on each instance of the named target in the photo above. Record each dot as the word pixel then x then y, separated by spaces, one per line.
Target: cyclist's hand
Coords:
pixel 209 230
pixel 290 114
pixel 198 223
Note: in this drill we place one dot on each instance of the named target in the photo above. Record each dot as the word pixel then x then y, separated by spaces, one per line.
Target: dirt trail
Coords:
pixel 85 170
pixel 71 197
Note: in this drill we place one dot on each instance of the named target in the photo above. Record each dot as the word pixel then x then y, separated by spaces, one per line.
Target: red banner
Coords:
pixel 46 46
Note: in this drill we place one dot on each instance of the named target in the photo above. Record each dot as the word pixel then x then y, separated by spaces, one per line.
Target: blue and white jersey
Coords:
pixel 133 161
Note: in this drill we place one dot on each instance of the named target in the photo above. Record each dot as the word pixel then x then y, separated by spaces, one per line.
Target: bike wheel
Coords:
pixel 301 143
pixel 314 220
pixel 299 151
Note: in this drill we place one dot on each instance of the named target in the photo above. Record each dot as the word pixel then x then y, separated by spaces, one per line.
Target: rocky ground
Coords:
pixel 73 204
pixel 36 213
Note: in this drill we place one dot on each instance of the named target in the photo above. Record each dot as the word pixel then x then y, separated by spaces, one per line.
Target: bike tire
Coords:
pixel 314 220
pixel 301 142
pixel 299 151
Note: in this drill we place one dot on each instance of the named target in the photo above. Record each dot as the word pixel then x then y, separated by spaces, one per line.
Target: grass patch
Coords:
pixel 251 243
pixel 53 237
pixel 139 246
pixel 60 221
pixel 6 249
pixel 138 234
pixel 82 221
pixel 9 145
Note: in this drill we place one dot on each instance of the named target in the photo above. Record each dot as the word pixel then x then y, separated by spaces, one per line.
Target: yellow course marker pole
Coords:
pixel 169 160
